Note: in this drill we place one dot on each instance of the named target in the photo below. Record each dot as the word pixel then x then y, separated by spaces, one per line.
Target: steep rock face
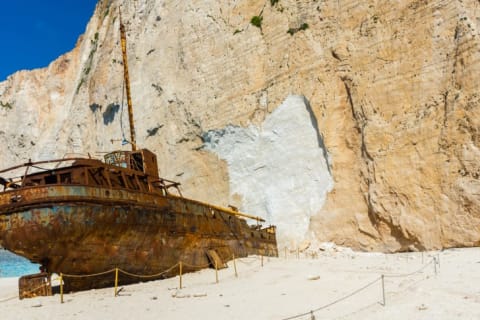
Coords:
pixel 391 142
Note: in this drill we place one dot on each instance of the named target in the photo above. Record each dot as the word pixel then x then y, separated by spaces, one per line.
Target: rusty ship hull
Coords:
pixel 87 229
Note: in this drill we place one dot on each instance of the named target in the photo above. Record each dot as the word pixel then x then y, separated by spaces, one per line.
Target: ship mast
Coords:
pixel 127 83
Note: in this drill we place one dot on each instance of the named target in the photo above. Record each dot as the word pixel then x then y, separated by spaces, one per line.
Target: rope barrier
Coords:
pixel 195 266
pixel 335 301
pixel 180 264
pixel 381 278
pixel 249 263
pixel 117 270
pixel 120 270
pixel 248 257
pixel 87 275
pixel 411 273
pixel 148 276
pixel 309 314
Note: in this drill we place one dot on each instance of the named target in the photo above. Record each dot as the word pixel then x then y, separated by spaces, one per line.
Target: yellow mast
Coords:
pixel 127 82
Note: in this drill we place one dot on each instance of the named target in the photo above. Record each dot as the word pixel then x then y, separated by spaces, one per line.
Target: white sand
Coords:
pixel 281 289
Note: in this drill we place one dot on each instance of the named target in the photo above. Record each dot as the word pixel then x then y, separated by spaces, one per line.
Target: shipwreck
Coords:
pixel 83 216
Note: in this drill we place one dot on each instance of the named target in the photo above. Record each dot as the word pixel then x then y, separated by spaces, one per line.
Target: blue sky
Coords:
pixel 33 33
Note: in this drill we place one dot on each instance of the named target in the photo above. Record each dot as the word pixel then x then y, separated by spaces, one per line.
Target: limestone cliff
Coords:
pixel 348 121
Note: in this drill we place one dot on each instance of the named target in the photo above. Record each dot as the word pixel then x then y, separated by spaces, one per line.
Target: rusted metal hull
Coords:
pixel 82 230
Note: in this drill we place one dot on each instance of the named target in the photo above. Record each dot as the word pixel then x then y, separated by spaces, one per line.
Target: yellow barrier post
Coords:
pixel 61 287
pixel 116 281
pixel 216 271
pixel 285 252
pixel 180 265
pixel 235 266
pixel 262 260
pixel 298 253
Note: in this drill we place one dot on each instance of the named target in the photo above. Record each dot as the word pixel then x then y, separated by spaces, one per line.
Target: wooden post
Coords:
pixel 180 264
pixel 262 260
pixel 435 265
pixel 235 266
pixel 116 281
pixel 61 287
pixel 383 290
pixel 422 258
pixel 216 271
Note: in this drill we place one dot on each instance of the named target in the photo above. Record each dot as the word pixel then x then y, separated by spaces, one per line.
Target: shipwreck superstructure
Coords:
pixel 83 216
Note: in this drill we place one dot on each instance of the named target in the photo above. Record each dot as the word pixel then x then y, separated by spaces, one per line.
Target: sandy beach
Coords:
pixel 336 284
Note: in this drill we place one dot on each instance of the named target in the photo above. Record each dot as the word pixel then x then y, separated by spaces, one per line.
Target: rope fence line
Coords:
pixel 180 265
pixel 434 261
pixel 310 313
pixel 149 276
pixel 308 253
pixel 65 275
pixel 335 301
pixel 195 266
pixel 248 263
pixel 411 273
pixel 391 294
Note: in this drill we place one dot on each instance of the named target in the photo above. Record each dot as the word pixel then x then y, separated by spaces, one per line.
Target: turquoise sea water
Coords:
pixel 12 265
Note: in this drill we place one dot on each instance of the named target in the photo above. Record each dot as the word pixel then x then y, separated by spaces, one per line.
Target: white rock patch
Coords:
pixel 280 169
